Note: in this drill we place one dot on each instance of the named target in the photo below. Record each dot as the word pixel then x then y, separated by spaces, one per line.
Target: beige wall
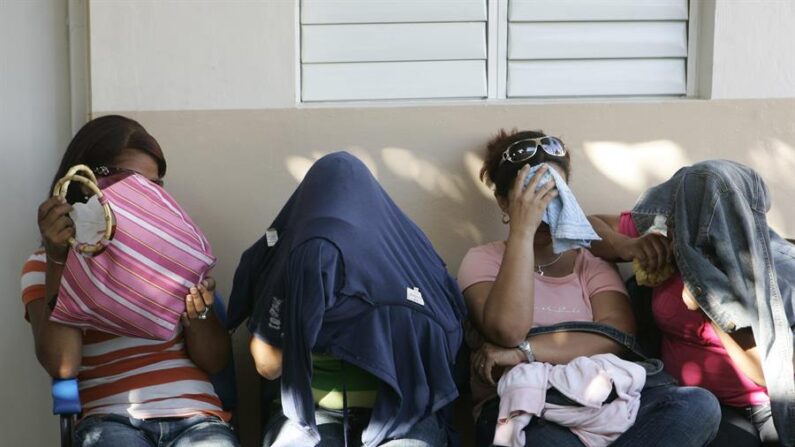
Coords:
pixel 201 54
pixel 34 124
pixel 754 54
pixel 233 170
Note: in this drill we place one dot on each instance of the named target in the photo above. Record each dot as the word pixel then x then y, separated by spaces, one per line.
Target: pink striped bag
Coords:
pixel 134 281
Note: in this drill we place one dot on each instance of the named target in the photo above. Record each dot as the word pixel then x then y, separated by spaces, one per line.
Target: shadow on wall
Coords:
pixel 636 167
pixel 434 182
pixel 776 160
pixel 630 167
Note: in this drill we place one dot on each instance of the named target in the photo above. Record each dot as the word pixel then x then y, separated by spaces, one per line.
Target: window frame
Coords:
pixel 497 25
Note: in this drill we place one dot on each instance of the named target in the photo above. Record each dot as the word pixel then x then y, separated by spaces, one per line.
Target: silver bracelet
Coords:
pixel 527 349
pixel 55 261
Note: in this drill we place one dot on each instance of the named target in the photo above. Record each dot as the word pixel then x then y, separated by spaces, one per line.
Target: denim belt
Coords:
pixel 655 374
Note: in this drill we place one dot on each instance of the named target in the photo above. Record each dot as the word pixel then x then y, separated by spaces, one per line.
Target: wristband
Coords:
pixel 56 262
pixel 527 349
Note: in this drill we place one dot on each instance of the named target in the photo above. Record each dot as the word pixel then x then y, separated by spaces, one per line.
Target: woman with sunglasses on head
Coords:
pixel 134 392
pixel 521 283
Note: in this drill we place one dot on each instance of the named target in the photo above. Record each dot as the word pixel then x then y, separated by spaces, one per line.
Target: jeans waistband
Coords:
pixel 626 340
pixel 655 376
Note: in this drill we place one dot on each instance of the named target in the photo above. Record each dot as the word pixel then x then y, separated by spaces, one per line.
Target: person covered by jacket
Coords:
pixel 354 310
pixel 521 283
pixel 726 311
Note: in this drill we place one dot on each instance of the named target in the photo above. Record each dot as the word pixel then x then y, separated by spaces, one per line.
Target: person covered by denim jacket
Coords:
pixel 354 311
pixel 726 313
pixel 514 285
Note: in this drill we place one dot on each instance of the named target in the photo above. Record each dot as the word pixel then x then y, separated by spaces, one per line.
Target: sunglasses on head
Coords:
pixel 525 149
pixel 104 171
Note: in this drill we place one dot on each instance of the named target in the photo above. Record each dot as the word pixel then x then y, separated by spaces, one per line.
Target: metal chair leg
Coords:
pixel 67 428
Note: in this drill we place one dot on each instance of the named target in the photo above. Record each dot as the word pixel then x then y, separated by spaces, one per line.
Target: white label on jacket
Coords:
pixel 414 296
pixel 272 236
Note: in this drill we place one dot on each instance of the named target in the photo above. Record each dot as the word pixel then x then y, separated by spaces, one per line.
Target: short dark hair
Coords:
pixel 100 141
pixel 501 176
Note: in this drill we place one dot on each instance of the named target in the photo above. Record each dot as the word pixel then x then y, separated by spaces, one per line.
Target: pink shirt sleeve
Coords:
pixel 626 225
pixel 600 276
pixel 480 264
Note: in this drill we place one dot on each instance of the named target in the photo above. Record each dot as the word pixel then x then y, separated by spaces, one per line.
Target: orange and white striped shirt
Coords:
pixel 133 377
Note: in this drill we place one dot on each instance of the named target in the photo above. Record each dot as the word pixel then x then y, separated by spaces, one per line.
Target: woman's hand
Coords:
pixel 653 251
pixel 526 206
pixel 208 343
pixel 199 301
pixel 490 356
pixel 56 227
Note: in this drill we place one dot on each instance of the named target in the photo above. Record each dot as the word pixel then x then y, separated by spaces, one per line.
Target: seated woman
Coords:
pixel 514 285
pixel 722 255
pixel 134 392
pixel 351 306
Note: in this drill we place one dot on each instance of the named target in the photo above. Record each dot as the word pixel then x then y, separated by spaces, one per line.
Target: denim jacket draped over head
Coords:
pixel 739 270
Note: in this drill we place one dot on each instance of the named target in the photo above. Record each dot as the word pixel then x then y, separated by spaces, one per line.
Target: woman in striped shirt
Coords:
pixel 134 391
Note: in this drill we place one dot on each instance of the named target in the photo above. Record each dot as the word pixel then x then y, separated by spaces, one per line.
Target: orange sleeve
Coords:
pixel 32 279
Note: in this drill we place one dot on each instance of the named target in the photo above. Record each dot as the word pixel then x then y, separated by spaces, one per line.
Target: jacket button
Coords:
pixel 698 291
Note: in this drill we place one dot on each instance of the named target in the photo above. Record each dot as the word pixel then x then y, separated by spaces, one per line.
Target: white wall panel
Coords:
pixel 192 55
pixel 574 10
pixel 393 42
pixel 593 40
pixel 35 128
pixel 596 77
pixel 394 80
pixel 391 11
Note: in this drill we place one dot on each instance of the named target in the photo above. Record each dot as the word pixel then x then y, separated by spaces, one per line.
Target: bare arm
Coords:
pixel 503 310
pixel 58 347
pixel 741 347
pixel 209 345
pixel 610 308
pixel 653 251
pixel 609 248
pixel 267 358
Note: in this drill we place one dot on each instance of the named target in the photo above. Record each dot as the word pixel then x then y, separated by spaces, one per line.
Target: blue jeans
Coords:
pixel 115 430
pixel 429 432
pixel 668 416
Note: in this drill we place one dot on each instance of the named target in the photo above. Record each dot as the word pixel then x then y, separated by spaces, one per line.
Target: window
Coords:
pixel 596 47
pixel 477 49
pixel 373 49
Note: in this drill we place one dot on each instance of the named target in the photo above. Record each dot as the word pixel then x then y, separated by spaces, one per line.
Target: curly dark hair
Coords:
pixel 501 176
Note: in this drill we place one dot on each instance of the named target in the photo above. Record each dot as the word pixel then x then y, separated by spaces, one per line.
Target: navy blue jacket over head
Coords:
pixel 352 276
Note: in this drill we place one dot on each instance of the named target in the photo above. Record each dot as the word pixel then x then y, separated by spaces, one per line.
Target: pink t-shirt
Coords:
pixel 691 350
pixel 566 298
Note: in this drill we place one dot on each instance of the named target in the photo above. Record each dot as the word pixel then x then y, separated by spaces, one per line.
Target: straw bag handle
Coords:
pixel 84 175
